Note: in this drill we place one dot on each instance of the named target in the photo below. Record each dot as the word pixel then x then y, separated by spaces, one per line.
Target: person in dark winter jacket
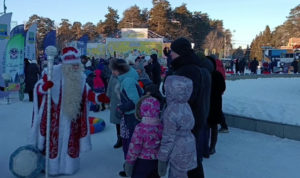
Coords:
pixel 237 65
pixel 147 85
pixel 130 92
pixel 167 53
pixel 32 73
pixel 113 92
pixel 295 66
pixel 215 113
pixel 186 63
pixel 103 65
pixel 156 70
pixel 253 66
pixel 220 68
pixel 242 65
pixel 148 68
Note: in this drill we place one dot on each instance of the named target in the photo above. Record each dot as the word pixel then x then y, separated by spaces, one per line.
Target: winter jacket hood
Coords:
pixel 98 83
pixel 199 71
pixel 178 89
pixel 149 108
pixel 130 74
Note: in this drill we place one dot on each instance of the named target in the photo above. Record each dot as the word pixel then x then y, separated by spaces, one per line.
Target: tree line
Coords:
pixel 279 36
pixel 208 34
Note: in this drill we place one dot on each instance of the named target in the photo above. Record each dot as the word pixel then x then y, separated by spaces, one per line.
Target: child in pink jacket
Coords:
pixel 141 159
pixel 98 83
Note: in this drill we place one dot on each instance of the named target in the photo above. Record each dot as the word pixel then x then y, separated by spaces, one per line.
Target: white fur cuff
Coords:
pixel 96 98
pixel 40 89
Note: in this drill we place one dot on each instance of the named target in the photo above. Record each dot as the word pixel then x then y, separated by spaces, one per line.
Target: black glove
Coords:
pixel 162 168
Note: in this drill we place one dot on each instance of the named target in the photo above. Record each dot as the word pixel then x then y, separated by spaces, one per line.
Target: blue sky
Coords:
pixel 246 18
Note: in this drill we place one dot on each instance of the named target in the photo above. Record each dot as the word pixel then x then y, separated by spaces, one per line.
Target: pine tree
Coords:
pixel 280 36
pixel 145 17
pixel 110 25
pixel 181 23
pixel 199 29
pixel 263 39
pixel 267 36
pixel 64 33
pixel 256 50
pixel 100 27
pixel 132 18
pixel 294 21
pixel 76 30
pixel 247 54
pixel 90 29
pixel 159 20
pixel 238 53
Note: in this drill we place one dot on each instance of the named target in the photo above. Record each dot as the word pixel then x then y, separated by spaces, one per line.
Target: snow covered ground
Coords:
pixel 271 99
pixel 240 154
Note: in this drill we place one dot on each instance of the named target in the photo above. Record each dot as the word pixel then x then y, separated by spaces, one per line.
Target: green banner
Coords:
pixel 14 57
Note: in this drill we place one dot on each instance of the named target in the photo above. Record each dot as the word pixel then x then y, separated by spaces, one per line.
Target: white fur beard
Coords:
pixel 72 91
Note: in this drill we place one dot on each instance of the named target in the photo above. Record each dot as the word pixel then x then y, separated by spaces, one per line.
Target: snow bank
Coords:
pixel 271 99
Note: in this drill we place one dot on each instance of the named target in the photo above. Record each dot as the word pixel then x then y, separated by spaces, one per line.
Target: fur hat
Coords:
pixel 70 56
pixel 120 65
pixel 147 106
pixel 182 47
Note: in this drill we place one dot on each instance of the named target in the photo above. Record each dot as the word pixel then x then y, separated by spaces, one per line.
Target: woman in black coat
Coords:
pixel 156 70
pixel 32 73
pixel 215 113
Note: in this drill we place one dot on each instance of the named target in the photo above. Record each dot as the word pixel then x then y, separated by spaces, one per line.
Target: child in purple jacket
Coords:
pixel 178 147
pixel 141 159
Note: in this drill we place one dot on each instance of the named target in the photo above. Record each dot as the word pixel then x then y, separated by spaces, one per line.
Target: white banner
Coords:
pixel 4 37
pixel 134 32
pixel 31 42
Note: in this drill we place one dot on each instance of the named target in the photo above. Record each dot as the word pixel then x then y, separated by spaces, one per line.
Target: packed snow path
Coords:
pixel 240 154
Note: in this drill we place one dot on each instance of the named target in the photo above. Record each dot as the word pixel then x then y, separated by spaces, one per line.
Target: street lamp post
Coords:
pixel 4 6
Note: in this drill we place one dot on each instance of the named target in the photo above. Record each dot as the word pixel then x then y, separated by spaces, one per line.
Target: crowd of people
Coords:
pixel 266 67
pixel 160 122
pixel 174 127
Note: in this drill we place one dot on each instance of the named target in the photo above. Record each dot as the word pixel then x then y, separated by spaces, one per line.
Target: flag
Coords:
pixel 50 39
pixel 18 30
pixel 82 44
pixel 4 37
pixel 31 42
pixel 14 57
